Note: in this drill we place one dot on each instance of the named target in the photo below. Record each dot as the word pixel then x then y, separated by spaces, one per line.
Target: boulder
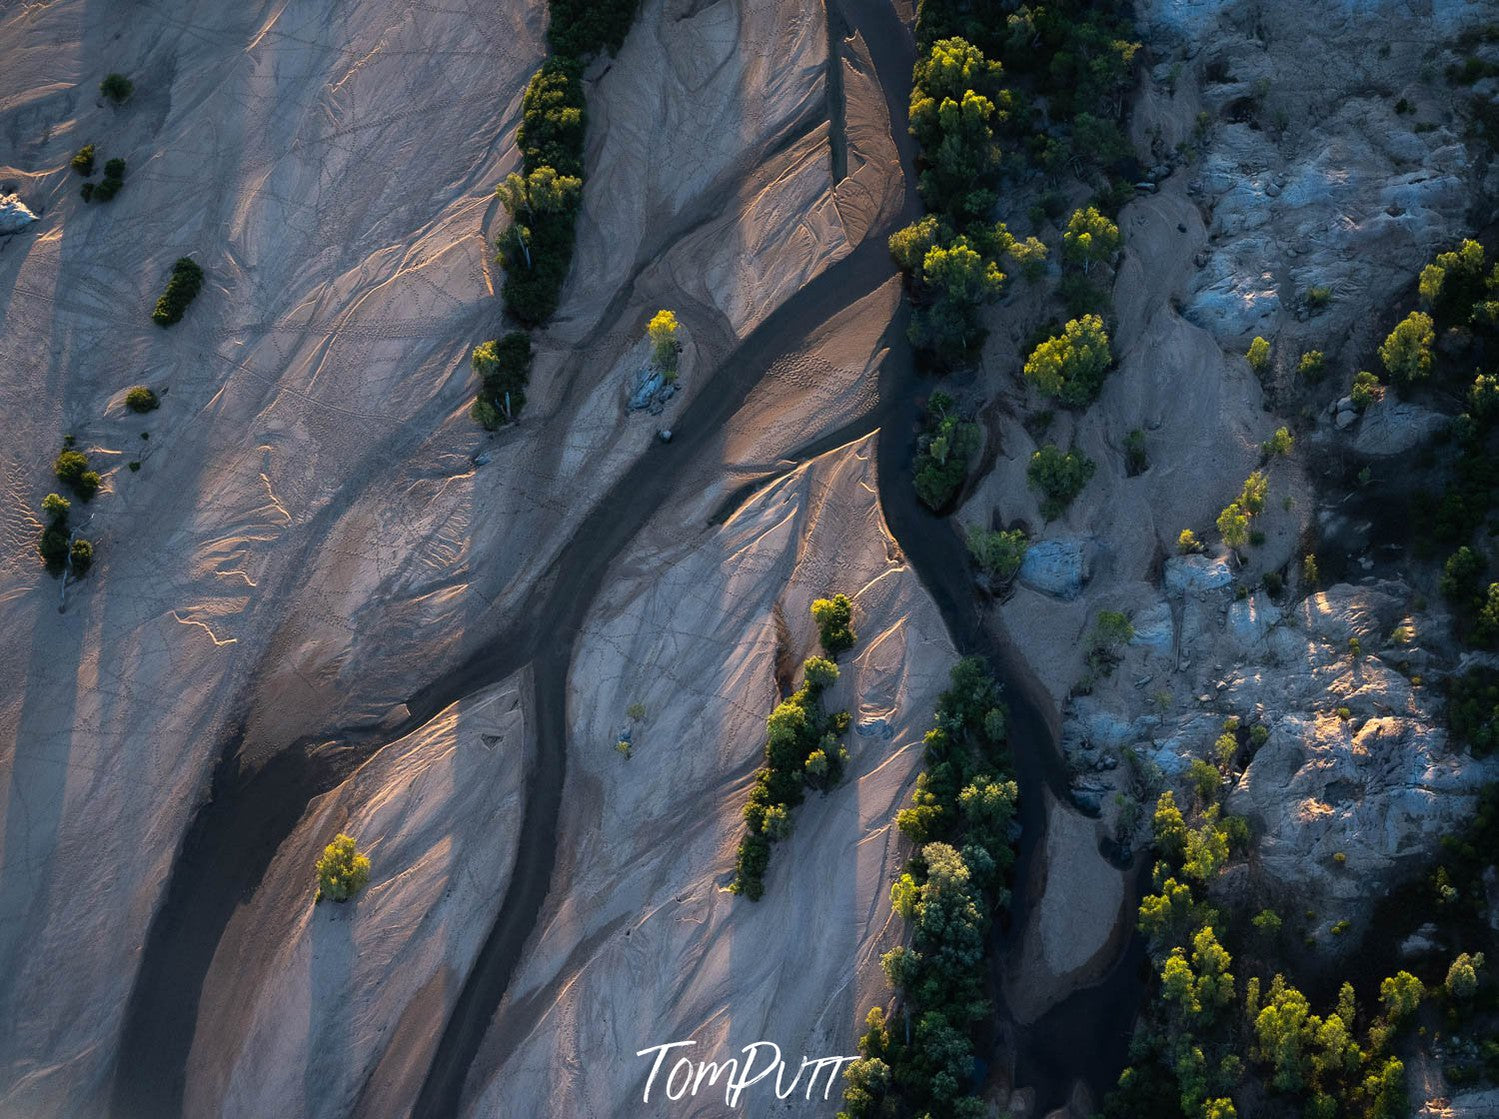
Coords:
pixel 1059 567
pixel 1196 574
pixel 1154 628
pixel 14 216
pixel 1393 427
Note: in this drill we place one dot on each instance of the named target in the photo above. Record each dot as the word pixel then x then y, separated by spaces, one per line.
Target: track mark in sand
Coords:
pixel 270 493
pixel 837 34
pixel 219 643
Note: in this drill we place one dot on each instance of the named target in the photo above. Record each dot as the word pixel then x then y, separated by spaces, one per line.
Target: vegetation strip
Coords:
pixel 918 1058
pixel 542 199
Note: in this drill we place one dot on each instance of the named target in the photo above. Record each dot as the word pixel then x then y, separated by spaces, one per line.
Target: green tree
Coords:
pixel 1071 366
pixel 1233 526
pixel 1462 976
pixel 1406 353
pixel 834 618
pixel 1401 994
pixel 117 87
pixel 998 554
pixel 342 871
pixel 1059 476
pixel 1090 238
pixel 1282 1032
pixel 1170 829
pixel 1259 355
pixel 662 330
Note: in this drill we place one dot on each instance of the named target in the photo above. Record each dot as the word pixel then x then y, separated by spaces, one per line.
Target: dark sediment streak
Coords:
pixel 234 836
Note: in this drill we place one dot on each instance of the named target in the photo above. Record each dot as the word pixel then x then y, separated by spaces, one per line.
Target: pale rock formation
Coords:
pixel 14 216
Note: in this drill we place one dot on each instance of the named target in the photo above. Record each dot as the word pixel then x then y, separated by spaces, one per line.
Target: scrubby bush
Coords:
pixel 1059 476
pixel 1259 355
pixel 83 162
pixel 1312 366
pixel 998 554
pixel 1280 443
pixel 1318 296
pixel 1460 574
pixel 1473 709
pixel 1406 352
pixel 181 290
pixel 1136 459
pixel 1071 366
pixel 141 399
pixel 942 453
pixel 1090 238
pixel 1187 543
pixel 53 545
pixel 117 87
pixel 72 469
pixel 834 617
pixel 82 556
pixel 662 330
pixel 1366 390
pixel 503 367
pixel 1233 526
pixel 342 871
pixel 1455 283
pixel 801 751
pixel 579 28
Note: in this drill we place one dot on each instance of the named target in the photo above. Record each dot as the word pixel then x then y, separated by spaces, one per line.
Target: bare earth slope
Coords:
pixel 308 526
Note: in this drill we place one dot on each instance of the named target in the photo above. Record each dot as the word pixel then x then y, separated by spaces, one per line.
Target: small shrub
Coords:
pixel 1366 390
pixel 83 162
pixel 942 453
pixel 834 618
pixel 141 399
pixel 1059 476
pixel 1344 713
pixel 1312 366
pixel 1187 543
pixel 181 290
pixel 1340 858
pixel 1280 443
pixel 1259 355
pixel 998 554
pixel 1136 460
pixel 635 712
pixel 1473 710
pixel 1318 297
pixel 1311 575
pixel 117 87
pixel 662 330
pixel 82 555
pixel 342 871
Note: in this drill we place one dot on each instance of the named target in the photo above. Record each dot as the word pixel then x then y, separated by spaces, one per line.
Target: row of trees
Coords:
pixel 542 198
pixel 62 553
pixel 801 750
pixel 961 822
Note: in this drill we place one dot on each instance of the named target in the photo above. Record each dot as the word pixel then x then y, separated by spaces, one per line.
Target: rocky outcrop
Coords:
pixel 1059 568
pixel 14 216
pixel 1355 759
